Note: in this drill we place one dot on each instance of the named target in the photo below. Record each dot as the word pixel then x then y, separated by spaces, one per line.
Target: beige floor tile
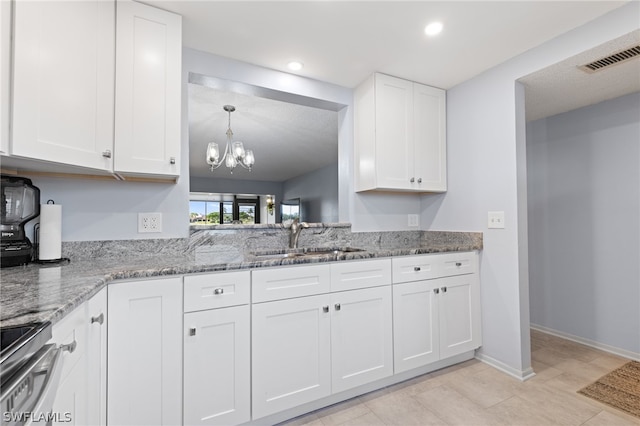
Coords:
pixel 306 420
pixel 454 408
pixel 369 419
pixel 606 418
pixel 543 371
pixel 589 371
pixel 343 412
pixel 486 388
pixel 400 409
pixel 568 382
pixel 609 361
pixel 517 411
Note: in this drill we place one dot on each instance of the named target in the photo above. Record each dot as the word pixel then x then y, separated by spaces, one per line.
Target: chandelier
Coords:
pixel 234 152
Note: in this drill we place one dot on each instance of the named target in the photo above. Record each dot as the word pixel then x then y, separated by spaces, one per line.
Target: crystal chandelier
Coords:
pixel 234 152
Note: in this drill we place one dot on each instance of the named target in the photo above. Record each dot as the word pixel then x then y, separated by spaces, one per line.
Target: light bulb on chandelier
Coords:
pixel 234 152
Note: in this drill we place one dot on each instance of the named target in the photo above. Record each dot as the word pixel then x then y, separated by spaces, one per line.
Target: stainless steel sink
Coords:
pixel 302 253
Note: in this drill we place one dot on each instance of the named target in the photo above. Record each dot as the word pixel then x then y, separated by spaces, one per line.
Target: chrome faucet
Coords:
pixel 296 228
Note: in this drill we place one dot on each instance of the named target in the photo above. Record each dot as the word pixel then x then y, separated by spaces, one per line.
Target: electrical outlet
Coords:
pixel 496 220
pixel 413 220
pixel 149 222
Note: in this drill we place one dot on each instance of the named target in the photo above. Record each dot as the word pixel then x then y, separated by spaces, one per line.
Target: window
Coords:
pixel 224 209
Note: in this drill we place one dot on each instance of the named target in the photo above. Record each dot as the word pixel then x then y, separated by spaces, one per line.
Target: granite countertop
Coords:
pixel 34 293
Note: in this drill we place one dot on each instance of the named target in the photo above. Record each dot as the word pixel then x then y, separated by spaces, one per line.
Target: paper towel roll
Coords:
pixel 50 231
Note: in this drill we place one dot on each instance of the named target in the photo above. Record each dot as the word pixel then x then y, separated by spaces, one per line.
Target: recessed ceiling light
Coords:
pixel 295 65
pixel 433 28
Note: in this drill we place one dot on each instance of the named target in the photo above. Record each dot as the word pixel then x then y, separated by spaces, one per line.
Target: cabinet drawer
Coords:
pixel 360 274
pixel 457 264
pixel 414 268
pixel 286 283
pixel 210 291
pixel 72 328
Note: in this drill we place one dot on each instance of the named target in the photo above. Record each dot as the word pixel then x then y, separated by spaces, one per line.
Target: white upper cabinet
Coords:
pixel 63 82
pixel 400 136
pixel 148 82
pixel 5 74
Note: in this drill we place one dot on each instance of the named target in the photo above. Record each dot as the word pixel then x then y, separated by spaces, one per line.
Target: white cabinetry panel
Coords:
pixel 148 87
pixel 63 82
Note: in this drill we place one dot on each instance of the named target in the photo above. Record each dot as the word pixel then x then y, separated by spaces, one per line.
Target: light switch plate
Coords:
pixel 413 220
pixel 496 220
pixel 149 222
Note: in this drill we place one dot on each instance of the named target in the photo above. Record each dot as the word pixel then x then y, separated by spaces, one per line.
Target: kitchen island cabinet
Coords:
pixel 145 352
pixel 400 136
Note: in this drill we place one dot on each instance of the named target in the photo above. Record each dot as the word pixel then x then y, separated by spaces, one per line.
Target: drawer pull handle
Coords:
pixel 419 180
pixel 412 180
pixel 99 319
pixel 71 347
pixel 218 291
pixel 106 153
pixel 416 268
pixel 325 308
pixel 338 307
pixel 444 289
pixel 192 331
pixel 436 290
pixel 172 160
pixel 458 263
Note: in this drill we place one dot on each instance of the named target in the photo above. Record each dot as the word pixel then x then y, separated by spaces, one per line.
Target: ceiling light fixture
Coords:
pixel 234 152
pixel 295 65
pixel 433 28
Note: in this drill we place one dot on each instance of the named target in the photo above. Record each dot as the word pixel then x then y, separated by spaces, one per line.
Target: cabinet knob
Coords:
pixel 337 306
pixel 99 319
pixel 412 180
pixel 172 160
pixel 106 153
pixel 458 263
pixel 192 331
pixel 416 268
pixel 436 290
pixel 419 180
pixel 325 308
pixel 218 291
pixel 444 289
pixel 71 347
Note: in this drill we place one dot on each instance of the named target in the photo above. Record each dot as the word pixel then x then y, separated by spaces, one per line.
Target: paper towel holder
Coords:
pixel 36 231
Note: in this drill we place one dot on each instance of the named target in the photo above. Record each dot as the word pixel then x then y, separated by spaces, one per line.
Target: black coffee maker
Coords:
pixel 20 204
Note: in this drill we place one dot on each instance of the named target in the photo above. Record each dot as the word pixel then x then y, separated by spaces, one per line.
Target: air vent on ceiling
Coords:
pixel 610 60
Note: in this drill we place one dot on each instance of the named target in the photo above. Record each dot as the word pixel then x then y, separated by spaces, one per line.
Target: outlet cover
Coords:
pixel 496 220
pixel 149 222
pixel 413 220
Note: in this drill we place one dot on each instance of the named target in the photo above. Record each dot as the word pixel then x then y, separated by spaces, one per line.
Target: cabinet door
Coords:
pixel 148 87
pixel 97 359
pixel 71 395
pixel 5 74
pixel 361 337
pixel 145 352
pixel 63 81
pixel 290 353
pixel 394 132
pixel 429 130
pixel 217 388
pixel 415 325
pixel 459 308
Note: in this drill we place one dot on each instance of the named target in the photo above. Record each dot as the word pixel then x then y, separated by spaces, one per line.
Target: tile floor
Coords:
pixel 473 393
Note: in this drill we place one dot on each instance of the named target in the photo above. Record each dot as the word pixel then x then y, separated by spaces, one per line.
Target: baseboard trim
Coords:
pixel 521 375
pixel 591 343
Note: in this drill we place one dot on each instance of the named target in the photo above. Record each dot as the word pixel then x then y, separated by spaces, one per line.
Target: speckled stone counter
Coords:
pixel 47 293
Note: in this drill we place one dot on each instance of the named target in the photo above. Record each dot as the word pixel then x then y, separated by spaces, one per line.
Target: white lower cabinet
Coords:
pixel 145 352
pixel 81 397
pixel 361 337
pixel 436 318
pixel 291 353
pixel 217 357
pixel 307 348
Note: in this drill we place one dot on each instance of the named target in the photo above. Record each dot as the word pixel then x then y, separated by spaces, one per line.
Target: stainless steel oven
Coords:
pixel 29 374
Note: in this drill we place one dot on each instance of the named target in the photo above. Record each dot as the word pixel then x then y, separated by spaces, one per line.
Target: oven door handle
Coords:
pixel 47 395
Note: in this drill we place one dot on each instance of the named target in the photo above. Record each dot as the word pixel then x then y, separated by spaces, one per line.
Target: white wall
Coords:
pixel 318 193
pixel 584 222
pixel 485 143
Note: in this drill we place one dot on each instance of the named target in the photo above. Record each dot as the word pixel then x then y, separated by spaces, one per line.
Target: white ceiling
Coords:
pixel 343 42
